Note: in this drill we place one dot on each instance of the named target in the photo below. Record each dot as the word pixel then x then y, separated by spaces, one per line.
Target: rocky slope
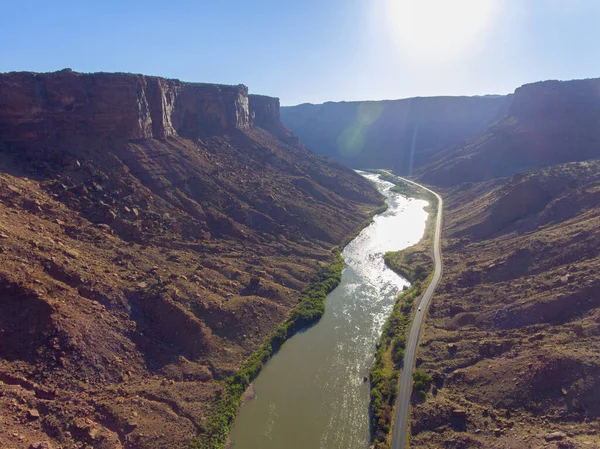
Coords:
pixel 547 123
pixel 513 333
pixel 152 234
pixel 383 134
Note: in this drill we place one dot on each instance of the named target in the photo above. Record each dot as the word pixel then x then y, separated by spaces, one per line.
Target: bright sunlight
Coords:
pixel 439 31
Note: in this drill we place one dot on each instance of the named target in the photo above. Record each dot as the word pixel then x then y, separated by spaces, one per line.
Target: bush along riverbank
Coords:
pixel 416 265
pixel 213 433
pixel 388 363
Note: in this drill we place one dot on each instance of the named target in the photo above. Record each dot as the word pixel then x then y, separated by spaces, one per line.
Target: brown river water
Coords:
pixel 312 393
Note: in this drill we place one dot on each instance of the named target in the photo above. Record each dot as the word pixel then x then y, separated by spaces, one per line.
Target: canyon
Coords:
pixel 153 234
pixel 511 336
pixel 400 135
pixel 513 332
pixel 546 123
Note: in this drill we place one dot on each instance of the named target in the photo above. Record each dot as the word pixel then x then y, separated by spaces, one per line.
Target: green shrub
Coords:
pixel 311 307
pixel 421 383
pixel 384 388
pixel 398 356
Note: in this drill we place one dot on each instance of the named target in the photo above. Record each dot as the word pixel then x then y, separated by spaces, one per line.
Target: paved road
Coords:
pixel 403 401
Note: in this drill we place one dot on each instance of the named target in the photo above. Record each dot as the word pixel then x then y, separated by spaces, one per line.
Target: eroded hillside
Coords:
pixel 513 332
pixel 547 123
pixel 152 234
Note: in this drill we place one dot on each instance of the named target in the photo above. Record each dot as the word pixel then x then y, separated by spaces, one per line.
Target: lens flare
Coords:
pixel 352 140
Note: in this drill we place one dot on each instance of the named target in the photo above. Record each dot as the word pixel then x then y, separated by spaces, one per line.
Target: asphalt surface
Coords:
pixel 400 431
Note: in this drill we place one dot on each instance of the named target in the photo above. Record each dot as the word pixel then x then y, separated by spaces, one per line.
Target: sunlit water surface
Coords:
pixel 312 394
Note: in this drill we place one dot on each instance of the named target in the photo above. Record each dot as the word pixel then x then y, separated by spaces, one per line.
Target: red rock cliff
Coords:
pixel 265 113
pixel 51 105
pixel 545 101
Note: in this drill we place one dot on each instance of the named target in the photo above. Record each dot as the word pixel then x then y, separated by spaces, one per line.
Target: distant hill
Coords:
pixel 383 133
pixel 546 123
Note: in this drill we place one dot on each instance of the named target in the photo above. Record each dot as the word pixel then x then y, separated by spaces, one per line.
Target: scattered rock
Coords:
pixel 255 281
pixel 459 413
pixel 33 414
pixel 81 190
pixel 554 436
pixel 70 164
pixel 110 216
pixel 40 445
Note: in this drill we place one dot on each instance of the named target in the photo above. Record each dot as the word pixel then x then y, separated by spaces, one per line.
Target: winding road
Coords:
pixel 403 401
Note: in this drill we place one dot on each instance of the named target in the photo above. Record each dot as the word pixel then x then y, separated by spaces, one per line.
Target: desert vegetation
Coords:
pixel 421 384
pixel 414 264
pixel 310 308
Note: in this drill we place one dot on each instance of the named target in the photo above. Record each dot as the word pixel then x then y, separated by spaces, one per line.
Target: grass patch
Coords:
pixel 412 263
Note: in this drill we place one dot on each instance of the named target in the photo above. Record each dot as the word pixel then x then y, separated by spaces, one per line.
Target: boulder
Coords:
pixel 554 436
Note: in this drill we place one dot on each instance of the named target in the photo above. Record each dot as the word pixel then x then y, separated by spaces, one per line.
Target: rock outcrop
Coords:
pixel 153 234
pixel 36 106
pixel 264 111
pixel 546 123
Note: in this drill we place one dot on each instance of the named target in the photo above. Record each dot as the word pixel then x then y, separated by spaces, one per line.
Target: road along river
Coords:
pixel 312 393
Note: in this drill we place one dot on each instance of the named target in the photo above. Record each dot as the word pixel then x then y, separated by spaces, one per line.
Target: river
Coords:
pixel 312 393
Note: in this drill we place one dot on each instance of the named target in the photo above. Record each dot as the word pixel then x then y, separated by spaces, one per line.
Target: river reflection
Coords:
pixel 312 394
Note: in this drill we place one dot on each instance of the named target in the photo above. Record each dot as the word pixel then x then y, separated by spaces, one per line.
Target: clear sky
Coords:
pixel 312 50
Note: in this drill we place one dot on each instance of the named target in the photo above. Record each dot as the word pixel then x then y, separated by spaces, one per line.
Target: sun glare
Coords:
pixel 439 31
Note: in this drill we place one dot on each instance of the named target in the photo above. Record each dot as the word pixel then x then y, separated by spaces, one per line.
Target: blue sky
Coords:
pixel 313 50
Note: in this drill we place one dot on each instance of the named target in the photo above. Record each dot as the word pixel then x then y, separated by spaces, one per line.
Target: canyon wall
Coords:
pixel 395 134
pixel 264 111
pixel 557 100
pixel 51 105
pixel 547 123
pixel 154 234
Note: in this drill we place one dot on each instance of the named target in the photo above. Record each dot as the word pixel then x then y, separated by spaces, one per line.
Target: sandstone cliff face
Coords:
pixel 264 111
pixel 547 123
pixel 557 100
pixel 395 134
pixel 153 233
pixel 49 105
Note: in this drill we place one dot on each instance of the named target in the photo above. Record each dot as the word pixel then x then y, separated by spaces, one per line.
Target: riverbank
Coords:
pixel 213 435
pixel 312 393
pixel 415 264
pixel 311 307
